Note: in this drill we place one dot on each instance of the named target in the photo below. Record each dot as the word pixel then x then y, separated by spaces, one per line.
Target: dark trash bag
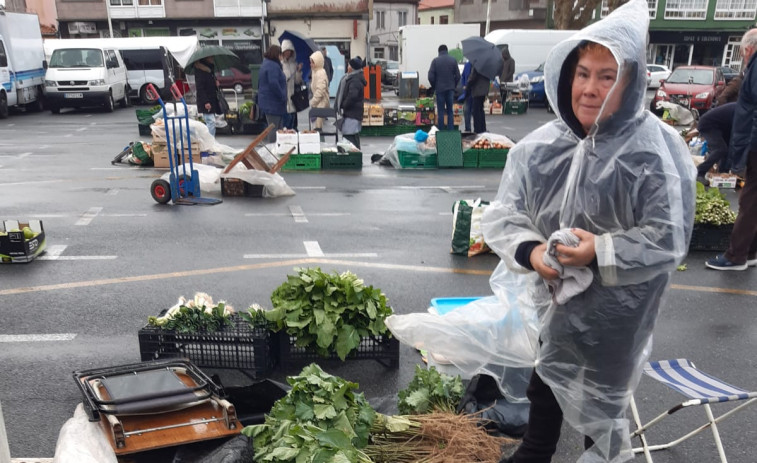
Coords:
pixel 502 416
pixel 235 450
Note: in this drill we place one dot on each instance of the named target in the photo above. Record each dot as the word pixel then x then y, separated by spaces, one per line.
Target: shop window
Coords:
pixel 652 4
pixel 444 19
pixel 686 9
pixel 735 9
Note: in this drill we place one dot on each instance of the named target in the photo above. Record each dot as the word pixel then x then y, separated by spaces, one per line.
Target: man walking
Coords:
pixel 444 75
pixel 742 252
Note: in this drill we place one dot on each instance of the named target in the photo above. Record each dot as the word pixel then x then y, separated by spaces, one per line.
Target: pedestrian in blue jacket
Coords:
pixel 272 90
pixel 444 75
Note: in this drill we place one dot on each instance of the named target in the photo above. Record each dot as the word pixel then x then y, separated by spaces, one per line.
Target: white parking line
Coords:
pixel 298 215
pixel 308 187
pixel 37 337
pixel 338 255
pixel 30 183
pixel 23 155
pixel 284 214
pixel 313 249
pixel 112 192
pixel 87 217
pixel 123 215
pixel 443 187
pixel 53 252
pixel 81 129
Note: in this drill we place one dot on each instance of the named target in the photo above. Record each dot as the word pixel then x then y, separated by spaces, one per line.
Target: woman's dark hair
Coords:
pixel 273 53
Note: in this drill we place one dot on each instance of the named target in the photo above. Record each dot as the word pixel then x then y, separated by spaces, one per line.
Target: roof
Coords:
pixel 433 4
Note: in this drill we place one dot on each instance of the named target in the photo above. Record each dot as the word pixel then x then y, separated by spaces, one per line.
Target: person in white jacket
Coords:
pixel 293 72
pixel 319 85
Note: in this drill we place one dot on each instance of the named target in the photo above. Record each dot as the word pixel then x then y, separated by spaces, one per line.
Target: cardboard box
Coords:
pixel 377 110
pixel 487 106
pixel 283 148
pixel 723 180
pixel 457 119
pixel 287 138
pixel 160 155
pixel 310 148
pixel 309 138
pixel 366 109
pixel 366 119
pixel 390 116
pixel 497 108
pixel 14 247
pixel 376 120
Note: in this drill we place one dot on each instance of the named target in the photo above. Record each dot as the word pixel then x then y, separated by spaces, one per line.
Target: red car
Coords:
pixel 694 87
pixel 238 79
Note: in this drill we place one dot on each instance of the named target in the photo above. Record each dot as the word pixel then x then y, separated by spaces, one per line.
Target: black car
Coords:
pixel 729 73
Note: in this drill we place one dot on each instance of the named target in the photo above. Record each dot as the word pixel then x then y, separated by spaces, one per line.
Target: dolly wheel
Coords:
pixel 161 191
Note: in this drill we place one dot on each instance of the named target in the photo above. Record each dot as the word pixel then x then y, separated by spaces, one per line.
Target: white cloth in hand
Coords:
pixel 571 280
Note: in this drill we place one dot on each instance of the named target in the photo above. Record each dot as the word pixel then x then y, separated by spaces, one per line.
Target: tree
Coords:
pixel 577 14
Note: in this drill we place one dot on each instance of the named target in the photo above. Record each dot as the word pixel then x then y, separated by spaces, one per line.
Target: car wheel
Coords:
pixel 3 106
pixel 238 88
pixel 110 105
pixel 146 97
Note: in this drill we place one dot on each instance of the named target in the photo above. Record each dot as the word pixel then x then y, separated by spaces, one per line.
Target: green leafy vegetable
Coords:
pixel 329 312
pixel 321 419
pixel 430 391
pixel 712 207
pixel 192 316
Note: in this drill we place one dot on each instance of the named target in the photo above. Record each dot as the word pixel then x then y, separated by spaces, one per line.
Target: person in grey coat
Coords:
pixel 508 71
pixel 444 75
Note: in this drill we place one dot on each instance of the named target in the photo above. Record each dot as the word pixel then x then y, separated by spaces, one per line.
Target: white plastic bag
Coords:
pixel 82 441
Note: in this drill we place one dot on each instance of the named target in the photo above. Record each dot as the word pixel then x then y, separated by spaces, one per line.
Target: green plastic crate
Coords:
pixel 449 148
pixel 492 158
pixel 303 162
pixel 332 161
pixel 417 161
pixel 470 159
pixel 516 107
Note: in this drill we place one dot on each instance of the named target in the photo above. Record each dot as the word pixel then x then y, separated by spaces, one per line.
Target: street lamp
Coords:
pixel 110 23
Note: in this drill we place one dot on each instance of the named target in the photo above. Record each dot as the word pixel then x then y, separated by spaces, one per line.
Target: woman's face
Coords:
pixel 288 54
pixel 595 75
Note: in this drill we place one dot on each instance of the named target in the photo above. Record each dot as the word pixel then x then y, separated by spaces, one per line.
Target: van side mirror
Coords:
pixel 44 65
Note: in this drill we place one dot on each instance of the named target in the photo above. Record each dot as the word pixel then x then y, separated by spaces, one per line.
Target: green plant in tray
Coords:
pixel 430 390
pixel 194 315
pixel 712 207
pixel 329 312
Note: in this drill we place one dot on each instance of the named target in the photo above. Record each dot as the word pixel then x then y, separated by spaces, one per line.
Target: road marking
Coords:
pixel 43 257
pixel 443 187
pixel 115 168
pixel 123 215
pixel 44 147
pixel 445 213
pixel 299 217
pixel 53 252
pixel 338 255
pixel 308 187
pixel 313 249
pixel 112 192
pixel 23 155
pixel 37 337
pixel 81 129
pixel 284 214
pixel 48 216
pixel 87 217
pixel 31 183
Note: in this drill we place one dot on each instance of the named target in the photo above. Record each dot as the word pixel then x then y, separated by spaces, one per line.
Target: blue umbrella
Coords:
pixel 303 48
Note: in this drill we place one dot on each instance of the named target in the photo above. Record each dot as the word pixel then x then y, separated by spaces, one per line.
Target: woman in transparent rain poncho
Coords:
pixel 623 183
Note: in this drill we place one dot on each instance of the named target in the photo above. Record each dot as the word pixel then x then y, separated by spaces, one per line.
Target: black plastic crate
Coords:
pixel 383 349
pixel 706 237
pixel 237 346
pixel 144 129
pixel 238 187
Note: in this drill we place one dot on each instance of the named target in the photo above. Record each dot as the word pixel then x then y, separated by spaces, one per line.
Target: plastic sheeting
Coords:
pixel 82 441
pixel 630 182
pixel 274 185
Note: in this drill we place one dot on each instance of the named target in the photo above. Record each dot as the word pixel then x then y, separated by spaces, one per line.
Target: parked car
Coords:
pixel 693 87
pixel 389 71
pixel 237 78
pixel 537 94
pixel 657 72
pixel 729 73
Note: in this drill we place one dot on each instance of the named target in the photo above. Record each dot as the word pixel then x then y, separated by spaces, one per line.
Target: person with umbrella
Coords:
pixel 207 92
pixel 272 90
pixel 487 64
pixel 444 75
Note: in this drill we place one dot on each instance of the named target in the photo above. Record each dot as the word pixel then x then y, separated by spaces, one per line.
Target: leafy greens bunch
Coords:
pixel 712 207
pixel 330 312
pixel 321 419
pixel 194 315
pixel 429 391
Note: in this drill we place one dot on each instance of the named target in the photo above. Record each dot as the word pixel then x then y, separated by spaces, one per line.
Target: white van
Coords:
pixel 528 47
pixel 149 60
pixel 77 77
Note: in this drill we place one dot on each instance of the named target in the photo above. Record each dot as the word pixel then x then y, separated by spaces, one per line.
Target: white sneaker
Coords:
pixel 751 262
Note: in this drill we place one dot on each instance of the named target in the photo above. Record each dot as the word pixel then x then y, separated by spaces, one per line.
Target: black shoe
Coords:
pixel 703 180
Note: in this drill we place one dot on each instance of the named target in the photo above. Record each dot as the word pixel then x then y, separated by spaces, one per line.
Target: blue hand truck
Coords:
pixel 184 185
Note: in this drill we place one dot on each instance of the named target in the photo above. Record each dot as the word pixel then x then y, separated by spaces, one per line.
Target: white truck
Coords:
pixel 528 47
pixel 22 62
pixel 419 44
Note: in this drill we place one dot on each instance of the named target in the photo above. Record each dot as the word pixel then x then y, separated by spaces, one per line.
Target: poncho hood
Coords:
pixel 624 34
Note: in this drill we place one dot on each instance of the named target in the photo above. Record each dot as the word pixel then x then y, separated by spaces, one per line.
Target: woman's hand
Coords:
pixel 580 256
pixel 299 66
pixel 537 262
pixel 207 107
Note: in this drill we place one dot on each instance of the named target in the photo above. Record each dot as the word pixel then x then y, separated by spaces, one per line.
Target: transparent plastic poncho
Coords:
pixel 630 182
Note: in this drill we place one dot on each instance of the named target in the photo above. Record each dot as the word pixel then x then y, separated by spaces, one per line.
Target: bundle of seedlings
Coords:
pixel 328 312
pixel 199 314
pixel 438 437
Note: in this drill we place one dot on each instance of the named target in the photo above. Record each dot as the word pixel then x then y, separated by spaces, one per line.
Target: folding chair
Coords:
pixel 329 115
pixel 702 389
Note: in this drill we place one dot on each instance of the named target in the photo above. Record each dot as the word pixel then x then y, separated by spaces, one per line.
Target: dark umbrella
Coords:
pixel 484 56
pixel 223 58
pixel 303 48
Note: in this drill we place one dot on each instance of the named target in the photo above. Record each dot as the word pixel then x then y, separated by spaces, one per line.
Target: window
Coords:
pixel 121 2
pixel 652 5
pixel 380 15
pixel 605 8
pixel 686 9
pixel 432 20
pixel 142 60
pixel 3 56
pixel 378 53
pixel 732 54
pixel 444 19
pixel 466 2
pixel 402 17
pixel 150 2
pixel 735 9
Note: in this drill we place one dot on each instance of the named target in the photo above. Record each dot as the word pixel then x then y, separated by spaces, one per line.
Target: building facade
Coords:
pixel 705 32
pixel 436 12
pixel 388 16
pixel 502 14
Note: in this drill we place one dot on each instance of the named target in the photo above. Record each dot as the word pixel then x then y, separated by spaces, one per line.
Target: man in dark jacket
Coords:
pixel 508 71
pixel 715 127
pixel 742 251
pixel 444 75
pixel 207 92
pixel 478 87
pixel 349 101
pixel 327 65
